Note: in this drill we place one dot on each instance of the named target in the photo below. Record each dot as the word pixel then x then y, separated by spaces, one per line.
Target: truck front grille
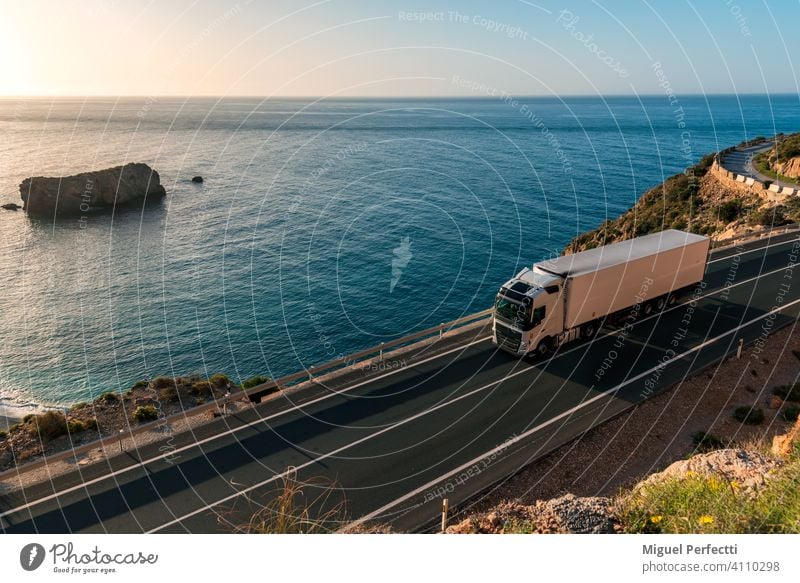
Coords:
pixel 507 338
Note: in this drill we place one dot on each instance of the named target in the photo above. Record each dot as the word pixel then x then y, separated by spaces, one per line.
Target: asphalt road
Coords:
pixel 741 162
pixel 453 425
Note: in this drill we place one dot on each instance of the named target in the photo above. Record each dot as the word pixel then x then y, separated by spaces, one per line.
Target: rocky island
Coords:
pixel 91 191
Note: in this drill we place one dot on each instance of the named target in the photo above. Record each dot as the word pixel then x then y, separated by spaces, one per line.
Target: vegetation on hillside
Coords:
pixel 691 201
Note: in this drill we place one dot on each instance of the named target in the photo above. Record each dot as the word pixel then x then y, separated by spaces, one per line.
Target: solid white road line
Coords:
pixel 558 417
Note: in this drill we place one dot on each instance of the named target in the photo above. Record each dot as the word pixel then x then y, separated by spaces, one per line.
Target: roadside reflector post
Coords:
pixel 311 373
pixel 121 432
pixel 380 354
pixel 739 348
pixel 445 508
pixel 441 330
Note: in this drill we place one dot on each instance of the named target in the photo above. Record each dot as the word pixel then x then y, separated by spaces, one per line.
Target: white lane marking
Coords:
pixel 234 430
pixel 558 417
pixel 230 431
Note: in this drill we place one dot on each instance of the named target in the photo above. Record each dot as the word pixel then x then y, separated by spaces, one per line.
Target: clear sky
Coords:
pixel 403 48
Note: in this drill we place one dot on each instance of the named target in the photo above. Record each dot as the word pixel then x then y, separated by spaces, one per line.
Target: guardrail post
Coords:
pixel 441 330
pixel 445 508
pixel 739 348
pixel 121 433
pixel 380 353
pixel 311 373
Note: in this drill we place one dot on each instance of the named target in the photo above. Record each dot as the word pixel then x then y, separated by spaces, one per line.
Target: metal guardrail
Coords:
pixel 379 351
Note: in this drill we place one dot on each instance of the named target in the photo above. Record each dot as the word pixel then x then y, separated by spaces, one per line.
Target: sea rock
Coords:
pixel 198 179
pixel 91 191
pixel 11 206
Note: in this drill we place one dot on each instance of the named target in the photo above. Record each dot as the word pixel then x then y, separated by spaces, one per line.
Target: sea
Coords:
pixel 322 227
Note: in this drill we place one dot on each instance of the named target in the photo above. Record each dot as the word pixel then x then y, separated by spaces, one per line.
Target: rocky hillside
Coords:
pixel 697 200
pixel 722 491
pixel 784 159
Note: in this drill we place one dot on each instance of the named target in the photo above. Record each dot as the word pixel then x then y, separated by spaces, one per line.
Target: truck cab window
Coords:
pixel 538 315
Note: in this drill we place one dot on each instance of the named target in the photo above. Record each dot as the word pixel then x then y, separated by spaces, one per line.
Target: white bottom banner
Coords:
pixel 370 558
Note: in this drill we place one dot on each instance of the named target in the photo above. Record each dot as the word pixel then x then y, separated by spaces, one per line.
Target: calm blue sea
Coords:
pixel 321 228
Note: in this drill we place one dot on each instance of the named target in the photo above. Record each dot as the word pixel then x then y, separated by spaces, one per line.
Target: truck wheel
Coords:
pixel 671 300
pixel 660 303
pixel 647 309
pixel 588 330
pixel 543 347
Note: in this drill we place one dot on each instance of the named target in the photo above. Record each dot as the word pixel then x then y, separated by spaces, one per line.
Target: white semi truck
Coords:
pixel 560 300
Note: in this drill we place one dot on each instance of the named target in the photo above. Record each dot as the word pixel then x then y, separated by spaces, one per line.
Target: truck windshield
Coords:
pixel 511 311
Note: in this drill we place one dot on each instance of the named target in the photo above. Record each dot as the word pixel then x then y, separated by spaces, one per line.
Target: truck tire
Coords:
pixel 588 330
pixel 647 308
pixel 661 303
pixel 543 348
pixel 671 300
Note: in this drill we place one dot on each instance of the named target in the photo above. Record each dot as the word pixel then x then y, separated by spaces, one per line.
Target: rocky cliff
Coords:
pixel 91 191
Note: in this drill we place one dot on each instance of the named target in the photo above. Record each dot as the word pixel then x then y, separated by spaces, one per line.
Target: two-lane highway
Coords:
pixel 454 423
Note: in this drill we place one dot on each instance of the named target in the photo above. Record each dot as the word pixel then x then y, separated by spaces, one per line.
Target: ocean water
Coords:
pixel 323 227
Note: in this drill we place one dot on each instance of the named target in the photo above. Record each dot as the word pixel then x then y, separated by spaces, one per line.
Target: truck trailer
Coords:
pixel 560 300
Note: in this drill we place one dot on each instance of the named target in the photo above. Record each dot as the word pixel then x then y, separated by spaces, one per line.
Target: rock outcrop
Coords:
pixel 790 168
pixel 91 191
pixel 567 514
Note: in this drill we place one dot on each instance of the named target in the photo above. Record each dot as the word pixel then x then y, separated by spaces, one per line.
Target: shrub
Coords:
pixel 219 380
pixel 254 381
pixel 168 394
pixel 788 392
pixel 140 385
pixel 75 426
pixel 750 415
pixel 730 211
pixel 145 413
pixel 29 417
pixel 706 441
pixel 163 382
pixel 791 413
pixel 50 425
pixel 3 434
pixel 78 406
pixel 90 424
pixel 108 397
pixel 768 217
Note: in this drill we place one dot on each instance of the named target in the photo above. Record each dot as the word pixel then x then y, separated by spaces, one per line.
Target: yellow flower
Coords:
pixel 705 519
pixel 656 518
pixel 735 485
pixel 691 474
pixel 714 484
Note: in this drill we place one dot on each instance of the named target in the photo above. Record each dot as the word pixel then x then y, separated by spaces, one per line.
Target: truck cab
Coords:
pixel 528 312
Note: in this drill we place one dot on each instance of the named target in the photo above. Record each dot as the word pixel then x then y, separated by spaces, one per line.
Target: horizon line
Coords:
pixel 342 97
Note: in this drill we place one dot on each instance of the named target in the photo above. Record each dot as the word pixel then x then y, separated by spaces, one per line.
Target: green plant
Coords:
pixel 788 392
pixel 140 385
pixel 255 381
pixel 790 413
pixel 75 426
pixel 3 434
pixel 144 413
pixel 78 406
pixel 91 423
pixel 730 210
pixel 750 415
pixel 706 441
pixel 29 417
pixel 219 380
pixel 163 382
pixel 108 397
pixel 768 217
pixel 50 425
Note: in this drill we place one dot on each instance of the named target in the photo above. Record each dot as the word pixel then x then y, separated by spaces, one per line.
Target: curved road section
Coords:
pixel 741 162
pixel 390 449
